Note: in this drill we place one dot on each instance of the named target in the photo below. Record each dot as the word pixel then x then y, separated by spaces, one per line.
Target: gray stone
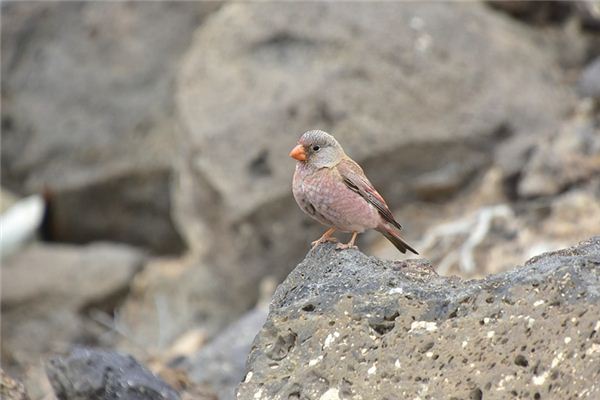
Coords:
pixel 71 276
pixel 589 81
pixel 87 113
pixel 570 155
pixel 97 374
pixel 47 288
pixel 222 363
pixel 344 325
pixel 169 297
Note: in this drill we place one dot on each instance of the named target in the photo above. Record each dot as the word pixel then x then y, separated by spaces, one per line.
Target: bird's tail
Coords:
pixel 394 237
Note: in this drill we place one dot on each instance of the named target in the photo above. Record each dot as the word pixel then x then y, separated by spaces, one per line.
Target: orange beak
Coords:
pixel 298 153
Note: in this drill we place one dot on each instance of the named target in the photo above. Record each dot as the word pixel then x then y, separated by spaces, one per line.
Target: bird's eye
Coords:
pixel 316 148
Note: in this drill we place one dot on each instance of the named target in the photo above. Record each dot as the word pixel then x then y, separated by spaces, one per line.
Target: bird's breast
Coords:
pixel 323 195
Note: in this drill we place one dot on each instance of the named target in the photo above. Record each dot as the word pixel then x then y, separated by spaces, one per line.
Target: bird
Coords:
pixel 333 189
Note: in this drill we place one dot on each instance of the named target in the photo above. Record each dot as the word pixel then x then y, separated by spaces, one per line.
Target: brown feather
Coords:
pixel 396 239
pixel 355 179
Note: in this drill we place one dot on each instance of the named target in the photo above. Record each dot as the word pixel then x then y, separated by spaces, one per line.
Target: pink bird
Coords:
pixel 333 189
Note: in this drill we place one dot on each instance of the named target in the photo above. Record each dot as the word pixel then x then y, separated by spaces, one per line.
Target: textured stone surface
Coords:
pixel 344 325
pixel 96 374
pixel 87 113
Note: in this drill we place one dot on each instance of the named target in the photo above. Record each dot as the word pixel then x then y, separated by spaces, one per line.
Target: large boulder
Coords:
pixel 344 325
pixel 420 94
pixel 88 114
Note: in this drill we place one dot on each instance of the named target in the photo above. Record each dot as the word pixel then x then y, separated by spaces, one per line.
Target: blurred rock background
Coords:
pixel 157 136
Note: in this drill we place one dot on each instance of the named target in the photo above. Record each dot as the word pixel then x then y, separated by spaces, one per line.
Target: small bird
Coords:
pixel 333 189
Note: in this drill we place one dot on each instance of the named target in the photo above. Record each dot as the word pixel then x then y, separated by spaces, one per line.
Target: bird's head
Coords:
pixel 319 149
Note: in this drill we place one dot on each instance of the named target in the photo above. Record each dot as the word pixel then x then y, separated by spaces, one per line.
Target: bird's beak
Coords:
pixel 298 153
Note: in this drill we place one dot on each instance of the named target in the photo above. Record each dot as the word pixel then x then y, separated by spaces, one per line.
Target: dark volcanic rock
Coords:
pixel 96 374
pixel 344 325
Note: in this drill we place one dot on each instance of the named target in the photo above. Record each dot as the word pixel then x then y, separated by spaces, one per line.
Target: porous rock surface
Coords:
pixel 344 325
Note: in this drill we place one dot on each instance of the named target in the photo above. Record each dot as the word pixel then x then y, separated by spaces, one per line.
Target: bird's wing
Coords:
pixel 355 179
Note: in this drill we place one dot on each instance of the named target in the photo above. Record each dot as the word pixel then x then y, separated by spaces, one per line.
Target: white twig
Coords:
pixel 474 227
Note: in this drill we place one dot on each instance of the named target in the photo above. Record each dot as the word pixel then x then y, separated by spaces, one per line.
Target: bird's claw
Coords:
pixel 345 246
pixel 323 240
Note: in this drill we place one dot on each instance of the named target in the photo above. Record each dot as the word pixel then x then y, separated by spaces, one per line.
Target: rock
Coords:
pixel 482 232
pixel 88 114
pixel 494 238
pixel 107 375
pixel 48 288
pixel 11 389
pixel 177 306
pixel 95 273
pixel 344 325
pixel 537 12
pixel 145 191
pixel 171 296
pixel 443 183
pixel 397 84
pixel 587 13
pixel 221 364
pixel 570 155
pixel 589 81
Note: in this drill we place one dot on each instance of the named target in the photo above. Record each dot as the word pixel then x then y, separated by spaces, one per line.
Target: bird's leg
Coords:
pixel 350 244
pixel 325 238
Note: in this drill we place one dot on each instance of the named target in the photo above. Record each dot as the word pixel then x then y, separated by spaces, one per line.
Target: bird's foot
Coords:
pixel 323 240
pixel 345 246
pixel 349 245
